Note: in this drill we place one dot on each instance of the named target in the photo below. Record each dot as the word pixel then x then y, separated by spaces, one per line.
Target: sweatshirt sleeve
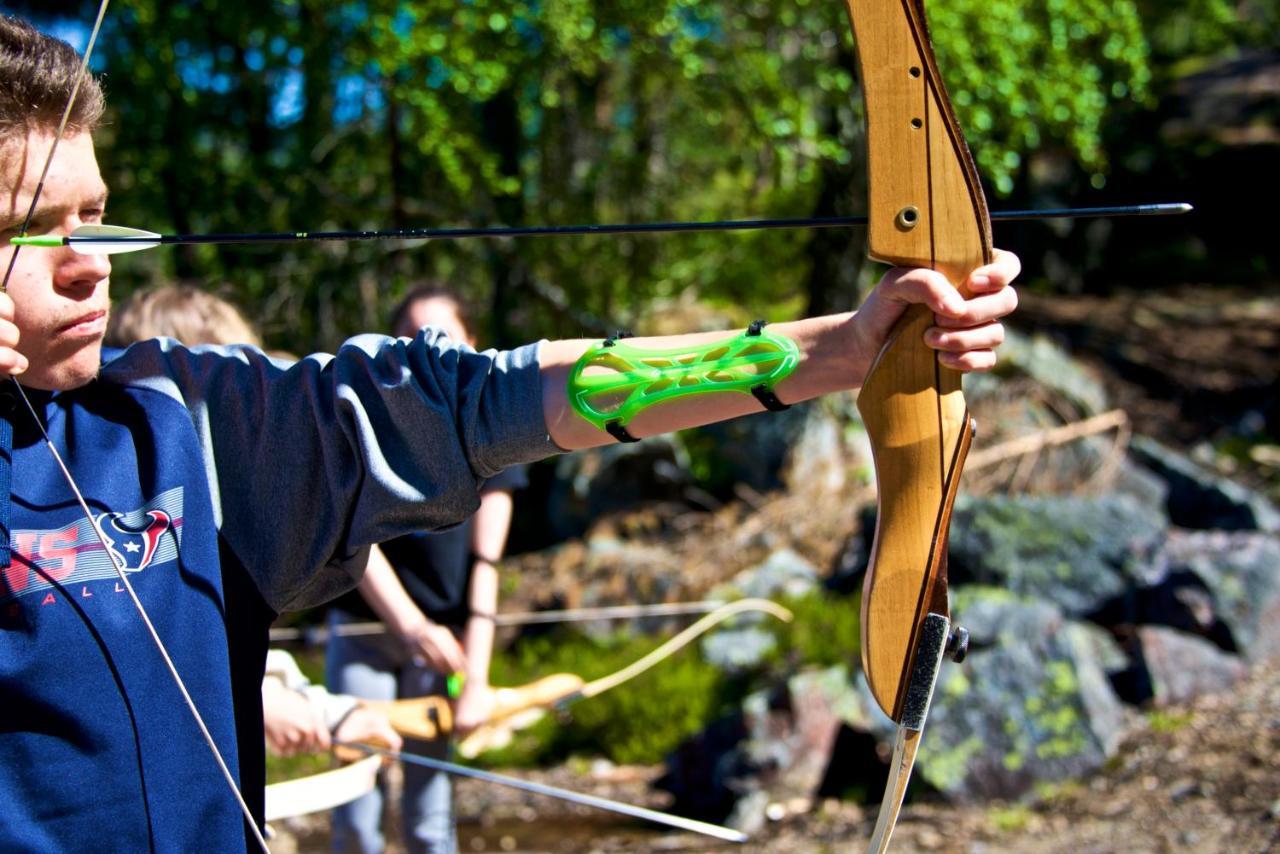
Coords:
pixel 310 463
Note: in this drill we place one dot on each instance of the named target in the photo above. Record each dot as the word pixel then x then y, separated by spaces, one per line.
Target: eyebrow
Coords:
pixel 45 211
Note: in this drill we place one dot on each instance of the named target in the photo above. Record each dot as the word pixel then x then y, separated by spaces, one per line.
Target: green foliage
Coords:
pixel 1192 30
pixel 826 630
pixel 281 768
pixel 1168 722
pixel 295 114
pixel 643 720
pixel 1010 819
pixel 1025 76
pixel 638 722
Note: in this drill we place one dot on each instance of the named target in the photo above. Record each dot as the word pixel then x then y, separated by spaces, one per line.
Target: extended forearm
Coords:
pixel 828 362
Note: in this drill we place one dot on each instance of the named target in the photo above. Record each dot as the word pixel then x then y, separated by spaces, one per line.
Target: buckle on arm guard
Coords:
pixel 613 382
pixel 764 392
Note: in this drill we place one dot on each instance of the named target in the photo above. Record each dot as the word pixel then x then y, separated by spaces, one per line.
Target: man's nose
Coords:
pixel 76 271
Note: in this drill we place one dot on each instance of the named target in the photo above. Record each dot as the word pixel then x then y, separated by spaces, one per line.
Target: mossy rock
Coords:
pixel 1077 553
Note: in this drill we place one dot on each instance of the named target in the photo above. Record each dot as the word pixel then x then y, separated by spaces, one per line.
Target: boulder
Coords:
pixel 614 478
pixel 1240 570
pixel 738 650
pixel 1078 553
pixel 1201 499
pixel 1181 667
pixel 782 573
pixel 785 739
pixel 1053 367
pixel 1031 704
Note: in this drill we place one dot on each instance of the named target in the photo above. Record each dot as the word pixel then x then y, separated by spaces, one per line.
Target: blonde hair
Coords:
pixel 188 314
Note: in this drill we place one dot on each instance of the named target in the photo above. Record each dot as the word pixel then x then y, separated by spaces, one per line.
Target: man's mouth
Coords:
pixel 87 325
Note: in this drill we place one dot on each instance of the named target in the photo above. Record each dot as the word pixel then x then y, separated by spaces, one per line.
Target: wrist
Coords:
pixel 410 629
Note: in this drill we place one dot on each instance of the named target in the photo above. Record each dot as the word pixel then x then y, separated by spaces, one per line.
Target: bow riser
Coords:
pixel 927 210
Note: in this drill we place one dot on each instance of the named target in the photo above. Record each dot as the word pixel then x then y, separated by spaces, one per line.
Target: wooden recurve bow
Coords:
pixel 926 209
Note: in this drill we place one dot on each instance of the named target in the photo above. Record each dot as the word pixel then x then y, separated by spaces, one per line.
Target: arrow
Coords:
pixel 115 239
pixel 676 821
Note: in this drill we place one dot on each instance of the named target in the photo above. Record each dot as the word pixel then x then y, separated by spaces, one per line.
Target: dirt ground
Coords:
pixel 1203 777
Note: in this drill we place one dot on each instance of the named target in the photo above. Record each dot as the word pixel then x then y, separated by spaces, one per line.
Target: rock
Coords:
pixel 832 448
pixel 1241 573
pixel 753 450
pixel 1031 704
pixel 1142 485
pixel 750 813
pixel 706 774
pixel 1201 499
pixel 792 735
pixel 613 478
pixel 1182 667
pixel 783 573
pixel 786 738
pixel 738 650
pixel 1075 552
pixel 1053 367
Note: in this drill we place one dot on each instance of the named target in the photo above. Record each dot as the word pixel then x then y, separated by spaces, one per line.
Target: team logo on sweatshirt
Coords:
pixel 133 549
pixel 72 560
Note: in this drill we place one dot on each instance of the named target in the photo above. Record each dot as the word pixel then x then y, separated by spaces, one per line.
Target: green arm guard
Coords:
pixel 613 382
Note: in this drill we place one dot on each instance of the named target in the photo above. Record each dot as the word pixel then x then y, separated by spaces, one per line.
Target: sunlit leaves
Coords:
pixel 309 114
pixel 1027 75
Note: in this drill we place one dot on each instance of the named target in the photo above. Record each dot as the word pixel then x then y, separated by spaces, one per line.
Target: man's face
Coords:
pixel 61 298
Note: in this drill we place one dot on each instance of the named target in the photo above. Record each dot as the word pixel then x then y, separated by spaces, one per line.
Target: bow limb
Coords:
pixel 429 718
pixel 323 791
pixel 927 210
pixel 520 707
pixel 677 643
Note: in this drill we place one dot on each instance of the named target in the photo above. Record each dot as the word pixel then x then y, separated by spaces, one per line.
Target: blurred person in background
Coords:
pixel 444 586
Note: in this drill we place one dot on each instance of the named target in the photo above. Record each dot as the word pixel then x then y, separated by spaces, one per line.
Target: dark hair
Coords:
pixel 38 73
pixel 430 290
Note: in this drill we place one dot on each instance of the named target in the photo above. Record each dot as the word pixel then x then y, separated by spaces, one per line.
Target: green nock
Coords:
pixel 46 240
pixel 453 684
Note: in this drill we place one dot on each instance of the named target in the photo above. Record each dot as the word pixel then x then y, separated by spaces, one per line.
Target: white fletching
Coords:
pixel 84 239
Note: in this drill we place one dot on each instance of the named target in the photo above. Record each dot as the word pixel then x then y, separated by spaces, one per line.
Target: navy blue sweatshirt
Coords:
pixel 232 487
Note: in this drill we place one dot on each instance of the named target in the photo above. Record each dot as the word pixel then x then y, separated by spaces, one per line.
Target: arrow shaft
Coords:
pixel 676 821
pixel 495 232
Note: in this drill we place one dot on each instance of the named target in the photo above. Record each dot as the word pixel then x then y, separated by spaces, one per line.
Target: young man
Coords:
pixel 232 488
